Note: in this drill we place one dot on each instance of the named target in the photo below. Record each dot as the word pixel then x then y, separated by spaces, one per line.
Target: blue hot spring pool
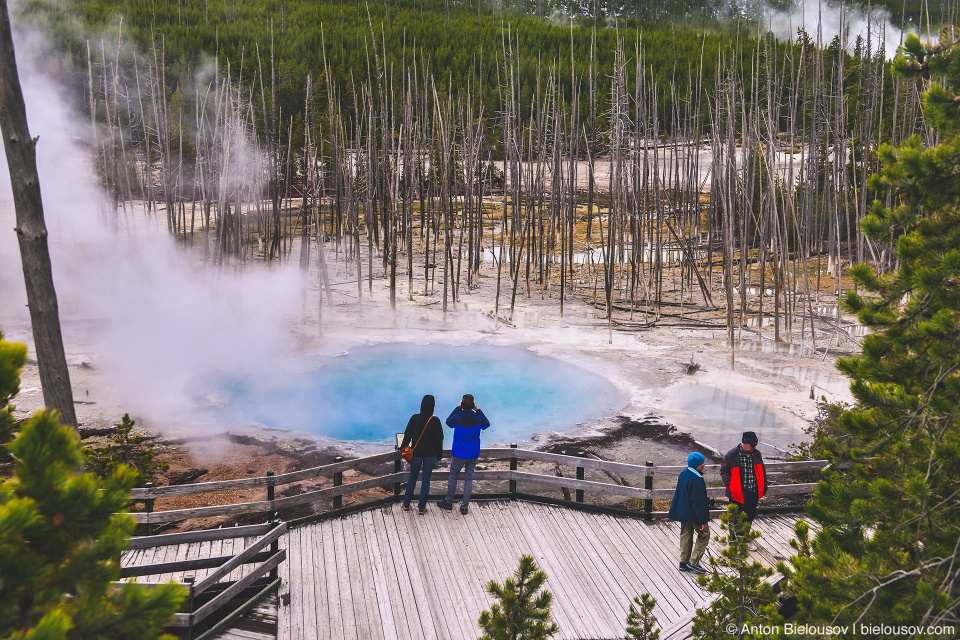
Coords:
pixel 369 394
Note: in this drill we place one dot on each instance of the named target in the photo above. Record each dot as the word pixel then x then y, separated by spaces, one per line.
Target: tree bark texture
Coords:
pixel 32 232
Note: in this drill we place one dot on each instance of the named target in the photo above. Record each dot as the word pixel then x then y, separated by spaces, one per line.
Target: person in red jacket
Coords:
pixel 744 475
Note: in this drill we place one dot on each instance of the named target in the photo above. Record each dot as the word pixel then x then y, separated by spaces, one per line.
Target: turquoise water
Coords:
pixel 369 394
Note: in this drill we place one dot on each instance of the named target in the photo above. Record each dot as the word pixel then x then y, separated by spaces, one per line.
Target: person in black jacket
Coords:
pixel 745 476
pixel 691 508
pixel 425 433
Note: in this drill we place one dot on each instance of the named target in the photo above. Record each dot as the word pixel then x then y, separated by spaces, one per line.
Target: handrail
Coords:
pixel 239 559
pixel 265 554
pixel 148 542
pixel 492 453
pixel 578 484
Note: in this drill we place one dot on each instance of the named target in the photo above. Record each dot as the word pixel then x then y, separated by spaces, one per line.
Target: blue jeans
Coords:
pixel 455 465
pixel 427 464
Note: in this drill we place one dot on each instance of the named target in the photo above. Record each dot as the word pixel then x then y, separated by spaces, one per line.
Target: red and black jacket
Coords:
pixel 731 474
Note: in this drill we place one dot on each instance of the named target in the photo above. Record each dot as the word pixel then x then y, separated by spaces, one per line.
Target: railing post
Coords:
pixel 396 469
pixel 648 485
pixel 579 477
pixel 148 507
pixel 275 545
pixel 513 467
pixel 188 607
pixel 337 481
pixel 271 492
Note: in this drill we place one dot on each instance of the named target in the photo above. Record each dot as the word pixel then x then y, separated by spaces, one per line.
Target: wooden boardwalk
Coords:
pixel 385 573
pixel 389 574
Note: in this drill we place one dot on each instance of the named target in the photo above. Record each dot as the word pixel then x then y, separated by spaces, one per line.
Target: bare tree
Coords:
pixel 32 231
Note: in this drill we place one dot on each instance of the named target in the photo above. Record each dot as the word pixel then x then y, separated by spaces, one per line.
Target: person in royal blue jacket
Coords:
pixel 467 422
pixel 691 508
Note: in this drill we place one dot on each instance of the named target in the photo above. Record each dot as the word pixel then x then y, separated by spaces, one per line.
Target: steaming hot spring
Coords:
pixel 368 394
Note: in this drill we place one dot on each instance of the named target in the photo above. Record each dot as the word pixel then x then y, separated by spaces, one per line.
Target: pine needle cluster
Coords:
pixel 641 623
pixel 522 611
pixel 889 508
pixel 13 356
pixel 744 599
pixel 61 534
pixel 132 451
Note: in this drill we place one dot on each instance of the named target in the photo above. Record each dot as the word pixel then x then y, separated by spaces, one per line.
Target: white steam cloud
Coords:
pixel 823 21
pixel 154 318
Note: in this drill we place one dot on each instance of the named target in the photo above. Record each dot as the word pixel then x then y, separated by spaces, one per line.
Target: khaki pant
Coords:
pixel 688 532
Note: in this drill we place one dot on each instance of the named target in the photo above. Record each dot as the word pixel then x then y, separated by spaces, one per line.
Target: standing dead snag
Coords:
pixel 32 232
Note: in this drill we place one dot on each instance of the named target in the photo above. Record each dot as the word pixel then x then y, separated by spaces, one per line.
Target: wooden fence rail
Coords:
pixel 395 479
pixel 264 554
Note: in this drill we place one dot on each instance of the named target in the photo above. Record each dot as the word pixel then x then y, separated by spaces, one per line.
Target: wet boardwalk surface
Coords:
pixel 386 573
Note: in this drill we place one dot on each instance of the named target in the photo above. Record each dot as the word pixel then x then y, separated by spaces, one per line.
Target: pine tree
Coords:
pixel 641 623
pixel 61 535
pixel 132 451
pixel 13 355
pixel 744 599
pixel 521 613
pixel 889 509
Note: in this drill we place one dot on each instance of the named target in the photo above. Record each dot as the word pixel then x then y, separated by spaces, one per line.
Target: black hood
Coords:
pixel 427 405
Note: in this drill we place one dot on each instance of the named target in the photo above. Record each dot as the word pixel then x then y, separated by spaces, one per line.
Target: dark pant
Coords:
pixel 749 507
pixel 689 553
pixel 427 465
pixel 456 464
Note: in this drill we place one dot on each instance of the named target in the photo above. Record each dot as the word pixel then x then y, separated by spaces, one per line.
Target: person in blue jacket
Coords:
pixel 690 507
pixel 467 422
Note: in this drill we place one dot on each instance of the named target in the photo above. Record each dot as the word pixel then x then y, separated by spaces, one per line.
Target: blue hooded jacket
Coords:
pixel 467 425
pixel 690 503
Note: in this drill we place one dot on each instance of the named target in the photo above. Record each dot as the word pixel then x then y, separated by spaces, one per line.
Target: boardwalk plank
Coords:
pixel 566 610
pixel 297 580
pixel 592 593
pixel 638 575
pixel 656 581
pixel 395 578
pixel 317 572
pixel 368 580
pixel 439 580
pixel 203 552
pixel 344 571
pixel 334 611
pixel 454 554
pixel 606 575
pixel 474 563
pixel 283 593
pixel 564 585
pixel 378 583
pixel 492 540
pixel 660 547
pixel 619 577
pixel 312 621
pixel 426 609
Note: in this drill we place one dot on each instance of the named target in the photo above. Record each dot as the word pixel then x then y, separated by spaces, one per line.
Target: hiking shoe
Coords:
pixel 685 567
pixel 696 568
pixel 752 547
pixel 443 504
pixel 422 511
pixel 405 506
pixel 463 510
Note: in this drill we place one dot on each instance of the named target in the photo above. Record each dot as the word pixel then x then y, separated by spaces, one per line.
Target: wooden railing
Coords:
pixel 399 476
pixel 211 596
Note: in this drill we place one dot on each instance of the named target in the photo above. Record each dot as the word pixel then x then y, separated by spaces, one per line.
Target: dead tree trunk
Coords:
pixel 32 232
